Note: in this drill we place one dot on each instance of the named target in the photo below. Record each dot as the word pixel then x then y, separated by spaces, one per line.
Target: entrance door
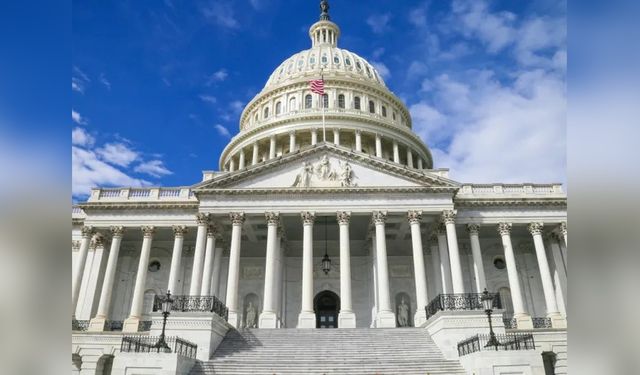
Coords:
pixel 326 305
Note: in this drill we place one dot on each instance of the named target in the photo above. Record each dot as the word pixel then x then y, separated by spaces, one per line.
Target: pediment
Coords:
pixel 327 167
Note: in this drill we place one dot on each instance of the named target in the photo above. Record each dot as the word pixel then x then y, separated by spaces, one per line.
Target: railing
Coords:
pixel 466 301
pixel 169 193
pixel 79 325
pixel 195 304
pixel 147 344
pixel 139 193
pixel 541 322
pixel 109 193
pixel 509 341
pixel 114 325
pixel 511 189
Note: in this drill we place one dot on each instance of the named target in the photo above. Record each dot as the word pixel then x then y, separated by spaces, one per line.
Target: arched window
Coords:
pixel 356 102
pixel 256 117
pixel 307 101
pixel 292 104
pixel 341 101
pixel 266 112
pixel 394 115
pixel 336 59
pixel 384 111
pixel 278 108
pixel 372 106
pixel 325 100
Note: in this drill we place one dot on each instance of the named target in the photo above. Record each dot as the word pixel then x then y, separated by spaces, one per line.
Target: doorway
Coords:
pixel 326 305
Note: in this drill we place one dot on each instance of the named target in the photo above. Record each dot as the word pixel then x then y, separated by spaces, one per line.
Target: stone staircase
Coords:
pixel 328 351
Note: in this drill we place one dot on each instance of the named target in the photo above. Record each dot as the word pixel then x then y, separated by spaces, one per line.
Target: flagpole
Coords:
pixel 324 131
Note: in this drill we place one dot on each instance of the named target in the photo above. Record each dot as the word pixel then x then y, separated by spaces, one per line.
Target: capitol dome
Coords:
pixel 357 110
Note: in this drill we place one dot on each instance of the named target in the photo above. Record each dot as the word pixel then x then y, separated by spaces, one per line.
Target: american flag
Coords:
pixel 317 86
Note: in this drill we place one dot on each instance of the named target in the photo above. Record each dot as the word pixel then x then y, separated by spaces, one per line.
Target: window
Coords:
pixel 325 101
pixel 307 101
pixel 356 102
pixel 384 111
pixel 368 72
pixel 394 115
pixel 372 106
pixel 499 263
pixel 347 61
pixel 336 60
pixel 358 65
pixel 300 63
pixel 324 59
pixel 154 266
pixel 341 101
pixel 256 117
pixel 278 108
pixel 266 112
pixel 292 104
pixel 312 60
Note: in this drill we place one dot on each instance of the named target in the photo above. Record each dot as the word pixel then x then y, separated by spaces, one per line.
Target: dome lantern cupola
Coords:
pixel 324 32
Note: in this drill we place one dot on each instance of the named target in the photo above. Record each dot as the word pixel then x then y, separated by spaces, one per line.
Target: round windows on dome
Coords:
pixel 336 59
pixel 312 60
pixel 358 65
pixel 154 266
pixel 347 61
pixel 300 63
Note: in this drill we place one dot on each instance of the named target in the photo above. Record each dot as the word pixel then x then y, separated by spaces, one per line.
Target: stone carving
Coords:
pixel 403 314
pixel 414 217
pixel 308 217
pixel 252 272
pixel 237 218
pixel 563 228
pixel 449 216
pixel 75 245
pixel 273 218
pixel 117 231
pixel 250 320
pixel 98 240
pixel 324 171
pixel 179 230
pixel 148 231
pixel 303 179
pixel 379 217
pixel 323 175
pixel 346 175
pixel 343 217
pixel 535 228
pixel 87 231
pixel 212 230
pixel 473 229
pixel 504 229
pixel 202 218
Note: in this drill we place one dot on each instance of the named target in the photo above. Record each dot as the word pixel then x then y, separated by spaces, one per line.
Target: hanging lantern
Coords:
pixel 326 264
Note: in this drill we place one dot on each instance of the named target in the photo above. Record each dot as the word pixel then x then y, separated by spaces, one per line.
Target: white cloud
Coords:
pixel 208 99
pixel 105 81
pixel 80 137
pixel 153 168
pixel 77 118
pixel 494 29
pixel 258 4
pixel 79 80
pixel 418 17
pixel 217 76
pixel 416 70
pixel 222 130
pixel 118 154
pixel 382 69
pixel 379 23
pixel 237 106
pixel 221 14
pixel 378 52
pixel 77 85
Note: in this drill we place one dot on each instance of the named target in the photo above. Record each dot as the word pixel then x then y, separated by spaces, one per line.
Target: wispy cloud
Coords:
pixel 382 69
pixel 118 153
pixel 105 81
pixel 77 118
pixel 218 76
pixel 81 137
pixel 154 168
pixel 379 23
pixel 221 14
pixel 237 106
pixel 208 99
pixel 222 130
pixel 79 80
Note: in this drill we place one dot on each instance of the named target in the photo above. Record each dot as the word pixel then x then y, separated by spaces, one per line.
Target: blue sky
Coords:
pixel 158 86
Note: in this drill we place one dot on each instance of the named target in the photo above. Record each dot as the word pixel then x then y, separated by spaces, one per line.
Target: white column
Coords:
pixel 396 152
pixel 78 272
pixel 292 141
pixel 209 256
pixel 358 141
pixel 374 281
pixel 97 324
pixel 314 137
pixel 336 141
pixel 448 217
pixel 519 313
pixel 545 276
pixel 176 258
pixel 198 257
pixel 254 156
pixel 132 322
pixel 241 162
pixel 307 317
pixel 272 147
pixel 560 274
pixel 232 164
pixel 445 265
pixel 435 259
pixel 419 163
pixel 268 317
pixel 378 145
pixel 386 317
pixel 346 317
pixel 409 158
pixel 237 220
pixel 478 267
pixel 279 278
pixel 422 298
pixel 217 262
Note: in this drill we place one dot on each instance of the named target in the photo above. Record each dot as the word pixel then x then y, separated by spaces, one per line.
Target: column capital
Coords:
pixel 473 229
pixel 273 218
pixel 237 218
pixel 292 132
pixel 202 218
pixel 308 217
pixel 562 228
pixel 75 245
pixel 535 228
pixel 343 217
pixel 414 217
pixel 98 240
pixel 358 131
pixel 117 231
pixel 179 230
pixel 440 229
pixel 88 231
pixel 148 230
pixel 504 229
pixel 212 230
pixel 379 217
pixel 449 216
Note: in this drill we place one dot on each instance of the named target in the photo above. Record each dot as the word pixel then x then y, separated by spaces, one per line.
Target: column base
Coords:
pixel 346 319
pixel 557 320
pixel 307 320
pixel 234 319
pixel 268 319
pixel 97 324
pixel 420 317
pixel 386 319
pixel 131 324
pixel 523 321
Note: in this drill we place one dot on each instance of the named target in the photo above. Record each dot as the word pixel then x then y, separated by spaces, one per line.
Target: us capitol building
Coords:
pixel 305 227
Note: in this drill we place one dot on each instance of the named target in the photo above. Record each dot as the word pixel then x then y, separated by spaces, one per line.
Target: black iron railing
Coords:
pixel 509 341
pixel 541 322
pixel 466 301
pixel 79 325
pixel 147 344
pixel 194 304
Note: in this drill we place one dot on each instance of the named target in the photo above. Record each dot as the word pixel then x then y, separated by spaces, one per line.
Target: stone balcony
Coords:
pixel 155 194
pixel 503 191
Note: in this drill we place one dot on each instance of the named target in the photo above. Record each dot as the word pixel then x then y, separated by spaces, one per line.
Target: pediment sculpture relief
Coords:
pixel 322 174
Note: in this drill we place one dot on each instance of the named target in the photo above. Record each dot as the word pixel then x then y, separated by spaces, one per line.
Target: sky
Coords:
pixel 158 86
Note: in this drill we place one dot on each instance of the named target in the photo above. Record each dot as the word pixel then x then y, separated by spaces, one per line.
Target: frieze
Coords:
pixel 252 272
pixel 323 174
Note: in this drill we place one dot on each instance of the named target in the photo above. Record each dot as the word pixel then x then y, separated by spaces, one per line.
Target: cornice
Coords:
pixel 556 202
pixel 138 205
pixel 336 190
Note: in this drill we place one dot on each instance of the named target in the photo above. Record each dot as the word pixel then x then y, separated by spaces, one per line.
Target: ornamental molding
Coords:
pixel 98 240
pixel 308 217
pixel 87 231
pixel 379 217
pixel 237 218
pixel 343 217
pixel 202 218
pixel 535 228
pixel 504 229
pixel 179 230
pixel 414 217
pixel 514 202
pixel 117 231
pixel 75 245
pixel 473 229
pixel 449 216
pixel 272 218
pixel 148 230
pixel 441 229
pixel 89 206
